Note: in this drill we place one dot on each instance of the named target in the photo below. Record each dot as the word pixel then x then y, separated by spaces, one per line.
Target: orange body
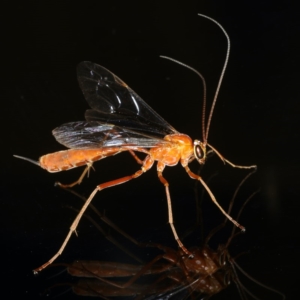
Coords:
pixel 72 158
pixel 179 148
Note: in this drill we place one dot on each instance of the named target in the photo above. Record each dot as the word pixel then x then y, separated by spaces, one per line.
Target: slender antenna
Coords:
pixel 220 80
pixel 28 159
pixel 204 90
pixel 256 281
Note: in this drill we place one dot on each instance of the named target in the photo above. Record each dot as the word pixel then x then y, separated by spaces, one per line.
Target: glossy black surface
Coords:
pixel 256 121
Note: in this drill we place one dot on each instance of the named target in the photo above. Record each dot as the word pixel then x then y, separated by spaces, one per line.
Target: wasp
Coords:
pixel 119 120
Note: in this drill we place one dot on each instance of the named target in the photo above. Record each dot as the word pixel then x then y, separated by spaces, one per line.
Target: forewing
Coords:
pixel 113 102
pixel 91 135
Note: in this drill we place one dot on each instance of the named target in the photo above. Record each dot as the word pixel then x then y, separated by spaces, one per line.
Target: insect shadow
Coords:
pixel 119 120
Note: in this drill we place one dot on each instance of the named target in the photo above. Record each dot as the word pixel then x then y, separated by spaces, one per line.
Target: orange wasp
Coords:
pixel 121 121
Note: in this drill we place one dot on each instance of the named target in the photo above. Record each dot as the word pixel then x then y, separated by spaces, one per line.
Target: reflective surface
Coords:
pixel 256 121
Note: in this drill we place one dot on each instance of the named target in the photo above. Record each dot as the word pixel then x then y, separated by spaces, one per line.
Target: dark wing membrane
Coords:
pixel 90 135
pixel 113 102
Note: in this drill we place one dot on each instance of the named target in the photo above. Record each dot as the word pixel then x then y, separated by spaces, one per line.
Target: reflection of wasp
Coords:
pixel 121 121
pixel 170 273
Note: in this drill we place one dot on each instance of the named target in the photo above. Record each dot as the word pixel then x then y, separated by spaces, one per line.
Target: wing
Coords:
pixel 89 135
pixel 113 102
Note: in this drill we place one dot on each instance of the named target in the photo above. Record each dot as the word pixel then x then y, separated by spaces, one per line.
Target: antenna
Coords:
pixel 220 80
pixel 204 88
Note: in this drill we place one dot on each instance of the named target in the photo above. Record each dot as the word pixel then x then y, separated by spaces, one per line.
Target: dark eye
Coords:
pixel 198 151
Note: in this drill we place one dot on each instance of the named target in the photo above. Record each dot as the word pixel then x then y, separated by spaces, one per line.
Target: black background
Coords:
pixel 255 122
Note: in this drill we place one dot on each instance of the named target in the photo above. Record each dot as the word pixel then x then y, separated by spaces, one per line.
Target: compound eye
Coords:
pixel 199 152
